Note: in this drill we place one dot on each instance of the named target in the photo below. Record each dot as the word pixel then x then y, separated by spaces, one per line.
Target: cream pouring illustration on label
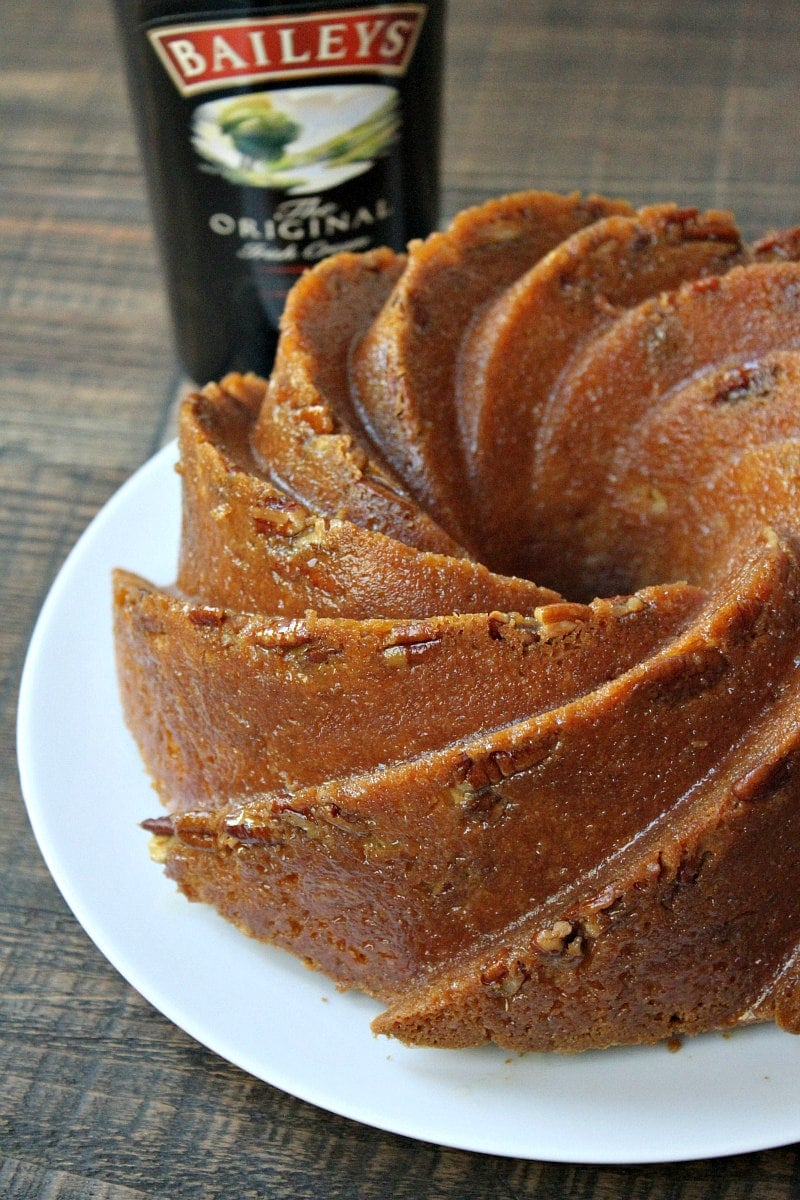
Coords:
pixel 298 139
pixel 282 137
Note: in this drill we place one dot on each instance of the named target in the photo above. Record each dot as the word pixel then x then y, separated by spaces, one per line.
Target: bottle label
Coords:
pixel 279 139
pixel 204 56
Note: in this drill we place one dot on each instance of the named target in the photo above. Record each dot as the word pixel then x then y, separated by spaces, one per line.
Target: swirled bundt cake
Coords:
pixel 558 814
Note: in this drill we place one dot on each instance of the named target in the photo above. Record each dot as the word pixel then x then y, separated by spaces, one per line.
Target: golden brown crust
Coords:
pixel 227 704
pixel 627 371
pixel 700 431
pixel 304 434
pixel 528 801
pixel 518 346
pixel 405 366
pixel 684 916
pixel 248 545
pixel 513 813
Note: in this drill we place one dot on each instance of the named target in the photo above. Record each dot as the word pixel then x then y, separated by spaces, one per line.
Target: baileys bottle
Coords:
pixel 273 135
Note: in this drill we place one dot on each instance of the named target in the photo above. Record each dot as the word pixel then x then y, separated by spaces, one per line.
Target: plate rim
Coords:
pixel 155 474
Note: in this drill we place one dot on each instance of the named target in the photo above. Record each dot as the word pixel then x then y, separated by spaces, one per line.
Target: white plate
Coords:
pixel 86 793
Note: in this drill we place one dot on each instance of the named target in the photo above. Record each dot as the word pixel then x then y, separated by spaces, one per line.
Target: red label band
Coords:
pixel 210 54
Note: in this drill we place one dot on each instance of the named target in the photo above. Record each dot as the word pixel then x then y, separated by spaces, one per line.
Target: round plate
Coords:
pixel 86 793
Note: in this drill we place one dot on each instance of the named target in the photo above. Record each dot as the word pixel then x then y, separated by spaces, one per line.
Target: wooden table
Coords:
pixel 102 1097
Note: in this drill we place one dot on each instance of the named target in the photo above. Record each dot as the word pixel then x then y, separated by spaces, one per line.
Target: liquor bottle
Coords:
pixel 273 135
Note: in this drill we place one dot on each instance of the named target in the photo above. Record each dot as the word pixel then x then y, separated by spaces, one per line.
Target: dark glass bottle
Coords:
pixel 272 135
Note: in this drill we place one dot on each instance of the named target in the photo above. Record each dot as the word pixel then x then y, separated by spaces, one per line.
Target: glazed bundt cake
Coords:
pixel 553 815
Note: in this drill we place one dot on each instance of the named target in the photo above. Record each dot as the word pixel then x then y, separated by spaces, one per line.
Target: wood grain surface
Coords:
pixel 100 1096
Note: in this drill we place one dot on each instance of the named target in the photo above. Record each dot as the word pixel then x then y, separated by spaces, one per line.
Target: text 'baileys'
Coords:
pixel 273 136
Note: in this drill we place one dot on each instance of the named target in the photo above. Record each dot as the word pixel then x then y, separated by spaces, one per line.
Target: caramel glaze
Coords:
pixel 552 819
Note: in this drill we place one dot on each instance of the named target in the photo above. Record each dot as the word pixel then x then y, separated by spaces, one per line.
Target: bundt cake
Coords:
pixel 553 815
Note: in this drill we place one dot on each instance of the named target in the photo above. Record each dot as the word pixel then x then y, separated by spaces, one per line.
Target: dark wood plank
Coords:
pixel 687 102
